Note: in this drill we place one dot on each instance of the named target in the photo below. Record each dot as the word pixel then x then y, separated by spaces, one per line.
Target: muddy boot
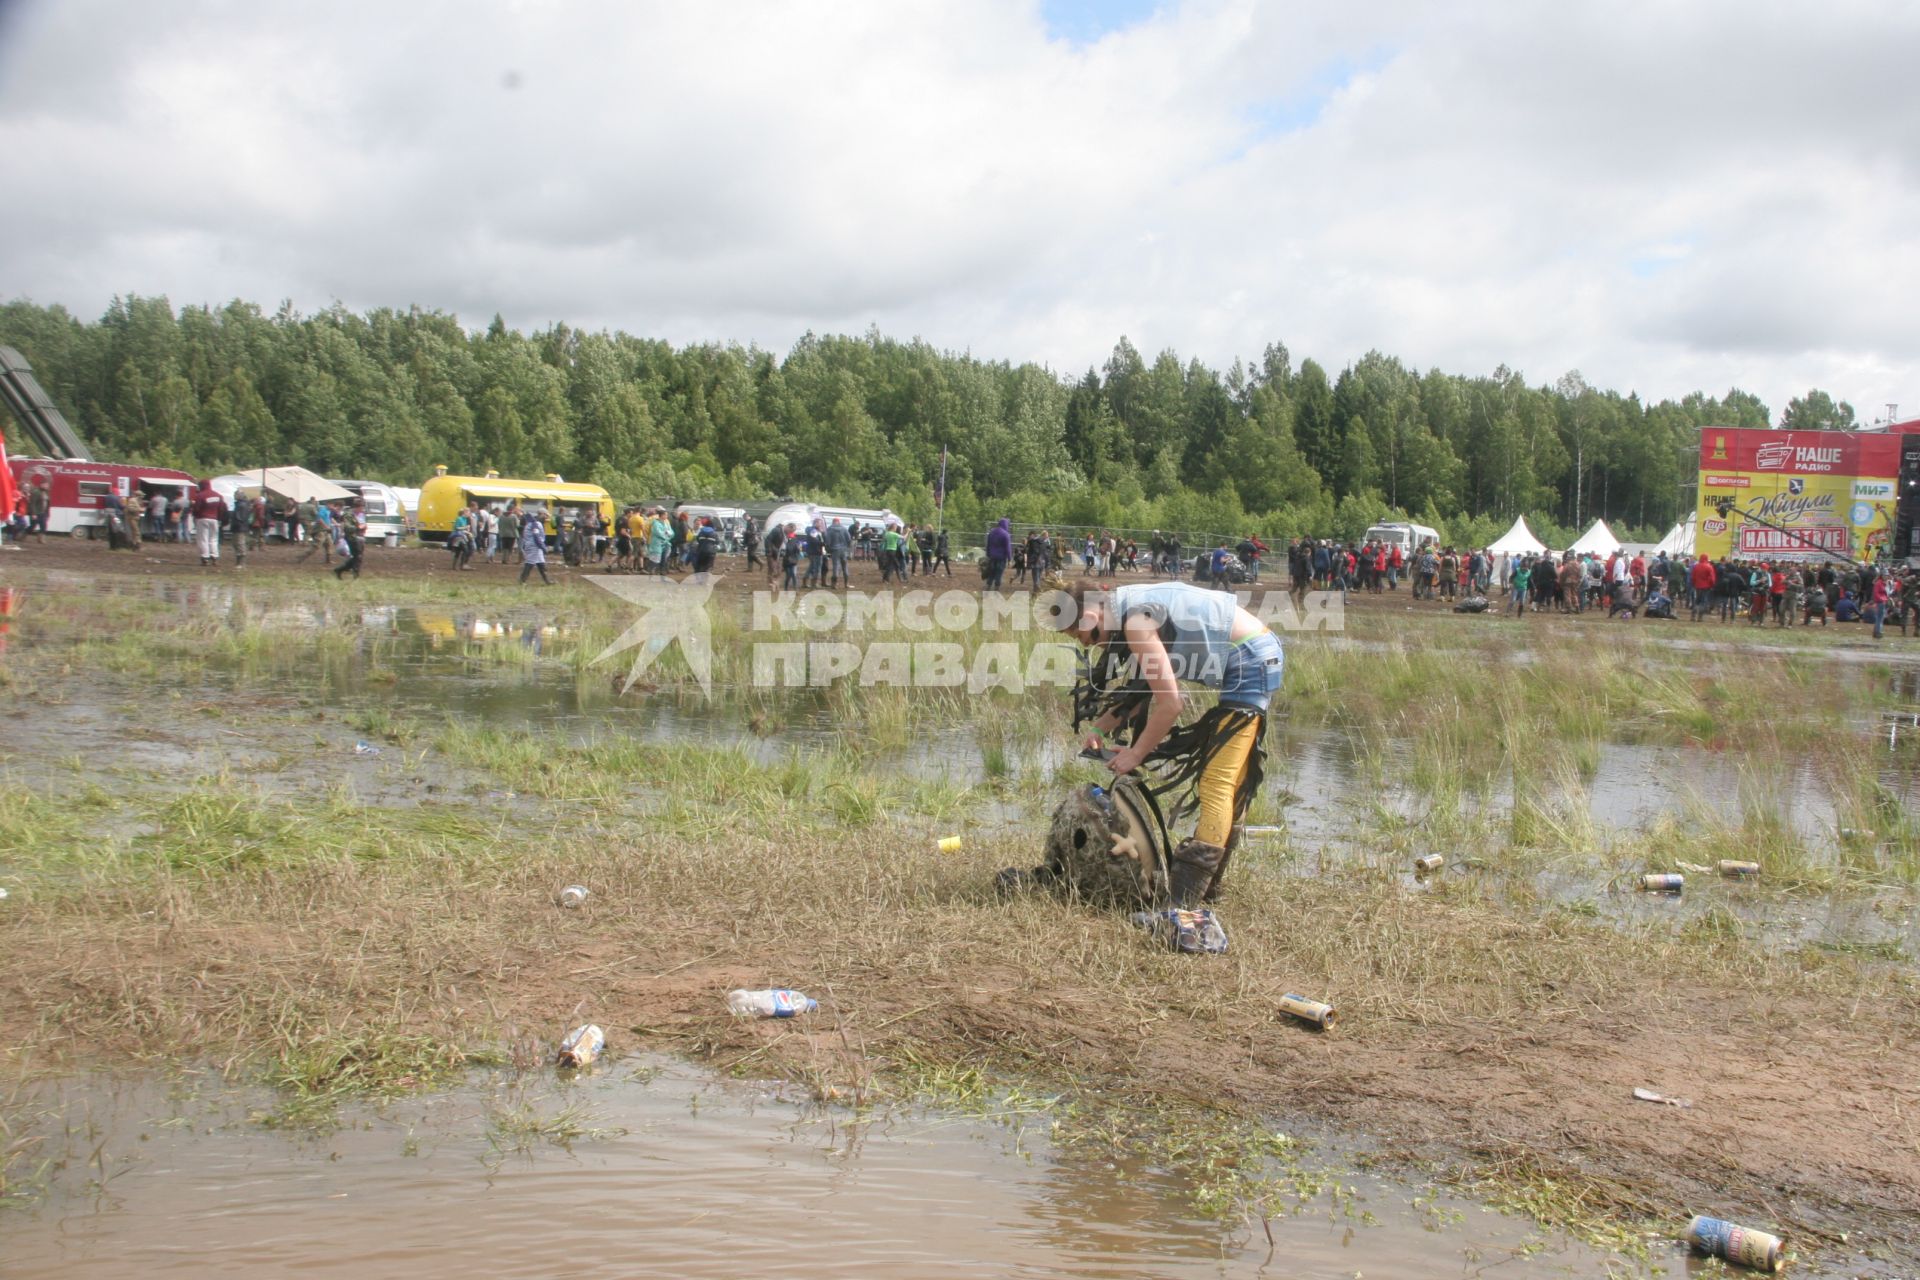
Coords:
pixel 1212 893
pixel 1195 865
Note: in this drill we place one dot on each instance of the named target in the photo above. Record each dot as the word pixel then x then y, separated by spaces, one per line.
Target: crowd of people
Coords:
pixel 817 554
pixel 1787 593
pixel 650 539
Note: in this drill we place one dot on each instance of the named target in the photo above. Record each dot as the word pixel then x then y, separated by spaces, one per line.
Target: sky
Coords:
pixel 1667 197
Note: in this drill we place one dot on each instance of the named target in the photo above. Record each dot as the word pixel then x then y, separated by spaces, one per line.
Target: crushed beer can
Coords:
pixel 1734 867
pixel 1668 883
pixel 950 844
pixel 1317 1012
pixel 574 895
pixel 1742 1246
pixel 581 1047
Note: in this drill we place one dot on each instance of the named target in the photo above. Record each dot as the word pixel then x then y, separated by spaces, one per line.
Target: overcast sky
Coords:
pixel 1667 196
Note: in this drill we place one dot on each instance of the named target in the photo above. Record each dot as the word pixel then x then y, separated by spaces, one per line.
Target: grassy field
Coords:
pixel 345 926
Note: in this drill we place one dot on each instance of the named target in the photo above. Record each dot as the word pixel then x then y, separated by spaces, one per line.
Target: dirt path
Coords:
pixel 1803 1119
pixel 417 564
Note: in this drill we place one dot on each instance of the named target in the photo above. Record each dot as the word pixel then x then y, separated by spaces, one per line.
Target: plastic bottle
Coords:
pixel 775 1002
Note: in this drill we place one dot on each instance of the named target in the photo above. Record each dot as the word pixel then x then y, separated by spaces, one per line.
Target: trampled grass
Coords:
pixel 345 946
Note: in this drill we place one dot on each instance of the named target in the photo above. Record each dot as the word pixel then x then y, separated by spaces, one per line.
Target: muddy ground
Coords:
pixel 1805 1112
pixel 418 564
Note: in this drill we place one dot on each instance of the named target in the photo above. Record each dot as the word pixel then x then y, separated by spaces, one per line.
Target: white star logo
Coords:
pixel 670 611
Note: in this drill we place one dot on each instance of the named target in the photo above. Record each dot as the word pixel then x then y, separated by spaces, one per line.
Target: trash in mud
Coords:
pixel 1648 1095
pixel 1317 1012
pixel 1194 932
pixel 1668 883
pixel 581 1047
pixel 500 795
pixel 1742 1246
pixel 1734 867
pixel 1432 862
pixel 572 896
pixel 1855 833
pixel 775 1002
pixel 365 749
pixel 949 844
pixel 1263 830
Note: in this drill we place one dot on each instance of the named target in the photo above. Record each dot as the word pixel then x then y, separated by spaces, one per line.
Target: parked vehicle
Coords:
pixel 1408 537
pixel 802 514
pixel 1236 571
pixel 443 496
pixel 386 514
pixel 77 490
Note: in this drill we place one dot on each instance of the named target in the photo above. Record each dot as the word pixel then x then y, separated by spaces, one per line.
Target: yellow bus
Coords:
pixel 443 497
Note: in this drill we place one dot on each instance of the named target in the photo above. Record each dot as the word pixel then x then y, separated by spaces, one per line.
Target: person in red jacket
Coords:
pixel 1703 578
pixel 209 513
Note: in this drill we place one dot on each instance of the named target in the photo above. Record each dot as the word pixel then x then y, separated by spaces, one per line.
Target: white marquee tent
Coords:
pixel 1518 540
pixel 1679 539
pixel 1599 540
pixel 297 483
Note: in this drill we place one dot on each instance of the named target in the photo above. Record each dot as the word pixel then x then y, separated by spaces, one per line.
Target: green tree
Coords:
pixel 1817 411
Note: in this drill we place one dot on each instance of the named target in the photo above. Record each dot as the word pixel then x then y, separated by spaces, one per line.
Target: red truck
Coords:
pixel 77 490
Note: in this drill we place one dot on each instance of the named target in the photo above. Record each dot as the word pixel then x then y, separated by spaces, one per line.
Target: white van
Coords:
pixel 802 514
pixel 1408 537
pixel 730 521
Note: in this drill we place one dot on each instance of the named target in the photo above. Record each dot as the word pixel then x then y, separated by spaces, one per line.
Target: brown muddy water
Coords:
pixel 440 665
pixel 681 1174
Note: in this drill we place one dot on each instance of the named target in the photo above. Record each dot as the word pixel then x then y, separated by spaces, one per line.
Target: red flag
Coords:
pixel 8 495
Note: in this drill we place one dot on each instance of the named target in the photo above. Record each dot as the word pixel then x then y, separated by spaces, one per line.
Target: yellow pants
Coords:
pixel 1219 783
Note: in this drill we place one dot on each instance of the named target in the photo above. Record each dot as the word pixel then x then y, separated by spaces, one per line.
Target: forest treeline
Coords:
pixel 1138 443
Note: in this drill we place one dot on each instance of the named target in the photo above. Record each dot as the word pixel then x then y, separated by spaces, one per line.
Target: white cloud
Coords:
pixel 1668 198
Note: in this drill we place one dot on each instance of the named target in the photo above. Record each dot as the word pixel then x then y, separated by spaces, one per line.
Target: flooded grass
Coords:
pixel 345 927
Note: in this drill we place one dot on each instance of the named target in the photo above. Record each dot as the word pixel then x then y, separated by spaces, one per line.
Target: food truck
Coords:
pixel 77 490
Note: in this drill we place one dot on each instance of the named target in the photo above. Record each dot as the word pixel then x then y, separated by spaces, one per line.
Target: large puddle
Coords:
pixel 443 666
pixel 680 1173
pixel 676 1171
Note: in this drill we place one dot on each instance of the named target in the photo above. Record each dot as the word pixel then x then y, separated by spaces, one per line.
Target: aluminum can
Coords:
pixel 950 844
pixel 1669 883
pixel 573 896
pixel 1317 1012
pixel 1732 867
pixel 582 1046
pixel 1742 1246
pixel 1432 862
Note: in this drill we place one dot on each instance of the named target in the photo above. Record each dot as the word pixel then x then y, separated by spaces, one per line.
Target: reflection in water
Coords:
pixel 428 663
pixel 707 1179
